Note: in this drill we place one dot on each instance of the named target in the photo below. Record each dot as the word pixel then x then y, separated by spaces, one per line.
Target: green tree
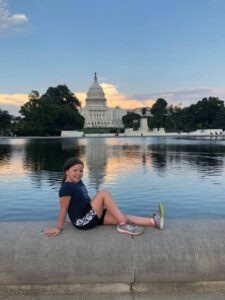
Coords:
pixel 206 110
pixel 158 112
pixel 206 113
pixel 34 95
pixel 69 119
pixel 5 122
pixel 61 95
pixel 159 107
pixel 174 118
pixel 50 113
pixel 131 120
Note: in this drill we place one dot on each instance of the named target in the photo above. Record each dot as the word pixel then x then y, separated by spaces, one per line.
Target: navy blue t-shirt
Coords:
pixel 79 198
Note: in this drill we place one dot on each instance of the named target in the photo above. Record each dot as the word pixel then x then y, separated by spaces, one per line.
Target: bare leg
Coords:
pixel 103 199
pixel 110 220
pixel 143 221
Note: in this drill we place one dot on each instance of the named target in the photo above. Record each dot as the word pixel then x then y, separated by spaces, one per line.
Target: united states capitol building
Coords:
pixel 96 112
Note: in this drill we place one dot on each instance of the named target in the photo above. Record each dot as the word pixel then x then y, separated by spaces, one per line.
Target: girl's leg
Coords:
pixel 142 221
pixel 103 199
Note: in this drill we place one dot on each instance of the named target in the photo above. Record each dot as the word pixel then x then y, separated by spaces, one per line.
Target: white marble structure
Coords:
pixel 96 112
pixel 143 125
pixel 143 130
pixel 71 133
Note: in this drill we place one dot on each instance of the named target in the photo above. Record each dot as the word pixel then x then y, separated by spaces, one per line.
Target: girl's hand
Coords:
pixel 52 231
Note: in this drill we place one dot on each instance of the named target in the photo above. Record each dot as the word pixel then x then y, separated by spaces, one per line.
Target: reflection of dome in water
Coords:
pixel 97 155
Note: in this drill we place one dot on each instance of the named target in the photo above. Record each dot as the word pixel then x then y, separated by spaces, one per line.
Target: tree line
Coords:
pixel 57 109
pixel 208 113
pixel 46 114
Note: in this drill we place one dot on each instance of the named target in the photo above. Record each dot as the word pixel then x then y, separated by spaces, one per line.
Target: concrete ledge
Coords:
pixel 187 251
pixel 157 291
pixel 95 256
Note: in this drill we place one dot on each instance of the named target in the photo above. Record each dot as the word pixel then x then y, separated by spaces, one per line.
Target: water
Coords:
pixel 187 175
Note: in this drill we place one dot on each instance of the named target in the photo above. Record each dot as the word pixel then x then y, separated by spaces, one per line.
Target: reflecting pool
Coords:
pixel 187 175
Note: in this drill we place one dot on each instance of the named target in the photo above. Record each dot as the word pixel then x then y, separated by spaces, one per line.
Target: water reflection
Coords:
pixel 207 159
pixel 159 156
pixel 101 156
pixel 5 154
pixel 49 155
pixel 97 155
pixel 104 156
pixel 45 158
pixel 10 162
pixel 134 168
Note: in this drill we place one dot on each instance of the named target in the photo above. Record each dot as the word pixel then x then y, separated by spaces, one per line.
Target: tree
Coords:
pixel 61 95
pixel 158 112
pixel 159 107
pixel 206 110
pixel 69 119
pixel 130 119
pixel 34 95
pixel 173 120
pixel 51 112
pixel 206 113
pixel 5 121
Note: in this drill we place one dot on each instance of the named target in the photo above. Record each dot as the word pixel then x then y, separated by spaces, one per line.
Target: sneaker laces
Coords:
pixel 156 218
pixel 131 224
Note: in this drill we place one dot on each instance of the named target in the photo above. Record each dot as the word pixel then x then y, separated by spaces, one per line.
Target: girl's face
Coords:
pixel 75 173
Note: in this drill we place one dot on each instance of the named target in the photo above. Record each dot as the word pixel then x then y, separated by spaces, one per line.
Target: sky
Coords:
pixel 141 49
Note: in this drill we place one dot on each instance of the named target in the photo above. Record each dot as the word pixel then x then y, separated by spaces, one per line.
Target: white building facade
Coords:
pixel 96 112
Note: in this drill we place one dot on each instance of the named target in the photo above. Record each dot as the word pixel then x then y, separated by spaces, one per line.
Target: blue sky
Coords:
pixel 143 49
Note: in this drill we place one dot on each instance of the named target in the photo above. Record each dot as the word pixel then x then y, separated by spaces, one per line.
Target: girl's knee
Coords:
pixel 126 217
pixel 104 191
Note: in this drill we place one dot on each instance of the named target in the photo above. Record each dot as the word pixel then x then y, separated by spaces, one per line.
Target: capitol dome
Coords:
pixel 95 91
pixel 96 112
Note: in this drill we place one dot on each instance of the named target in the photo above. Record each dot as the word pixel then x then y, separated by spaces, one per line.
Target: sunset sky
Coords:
pixel 141 50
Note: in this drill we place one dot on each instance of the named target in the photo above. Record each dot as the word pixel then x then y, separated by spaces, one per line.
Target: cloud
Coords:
pixel 81 96
pixel 185 96
pixel 117 98
pixel 13 102
pixel 13 99
pixel 9 20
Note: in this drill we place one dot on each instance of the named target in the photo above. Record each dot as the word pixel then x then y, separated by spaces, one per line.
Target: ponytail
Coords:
pixel 63 178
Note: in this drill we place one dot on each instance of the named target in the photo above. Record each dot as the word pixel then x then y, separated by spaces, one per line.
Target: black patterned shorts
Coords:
pixel 89 219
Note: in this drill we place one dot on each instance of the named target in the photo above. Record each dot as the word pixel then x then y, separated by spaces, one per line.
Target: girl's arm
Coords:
pixel 64 204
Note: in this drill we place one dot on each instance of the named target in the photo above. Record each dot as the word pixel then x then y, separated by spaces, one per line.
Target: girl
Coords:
pixel 86 213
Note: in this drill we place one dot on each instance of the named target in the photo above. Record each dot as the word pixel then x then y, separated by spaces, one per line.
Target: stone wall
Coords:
pixel 186 251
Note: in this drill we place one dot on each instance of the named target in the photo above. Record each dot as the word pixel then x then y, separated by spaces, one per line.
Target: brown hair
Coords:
pixel 70 163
